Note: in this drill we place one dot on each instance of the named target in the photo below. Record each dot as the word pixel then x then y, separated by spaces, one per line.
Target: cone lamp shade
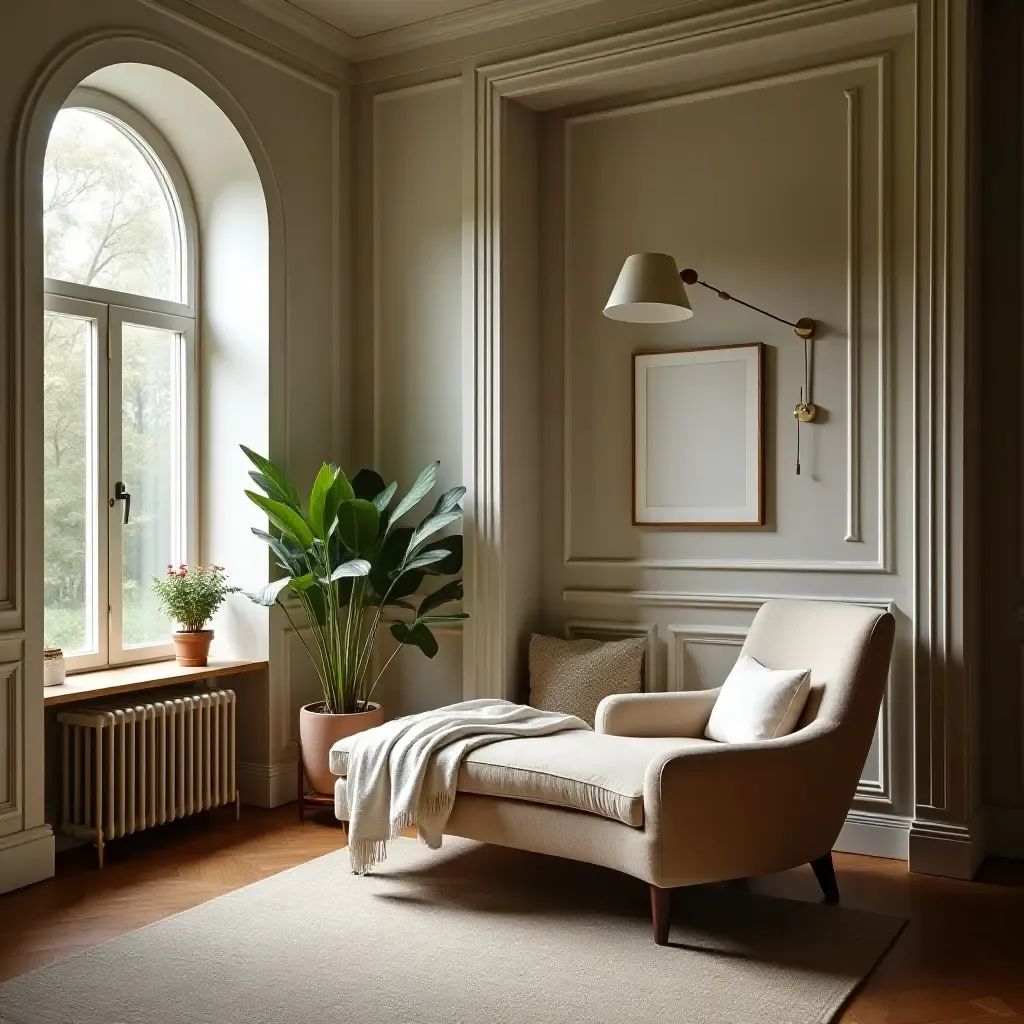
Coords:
pixel 649 291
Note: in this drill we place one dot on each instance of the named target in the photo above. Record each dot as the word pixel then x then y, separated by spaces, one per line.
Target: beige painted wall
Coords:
pixel 410 356
pixel 294 119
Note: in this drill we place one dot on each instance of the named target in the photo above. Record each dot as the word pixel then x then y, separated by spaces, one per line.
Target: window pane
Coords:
pixel 151 466
pixel 106 214
pixel 69 474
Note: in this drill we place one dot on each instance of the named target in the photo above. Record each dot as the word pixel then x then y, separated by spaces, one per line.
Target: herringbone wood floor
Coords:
pixel 960 960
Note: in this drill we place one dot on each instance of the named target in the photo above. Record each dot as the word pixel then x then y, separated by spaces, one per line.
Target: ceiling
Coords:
pixel 360 18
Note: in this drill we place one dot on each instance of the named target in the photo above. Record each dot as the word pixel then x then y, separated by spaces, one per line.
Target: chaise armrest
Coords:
pixel 684 713
pixel 756 807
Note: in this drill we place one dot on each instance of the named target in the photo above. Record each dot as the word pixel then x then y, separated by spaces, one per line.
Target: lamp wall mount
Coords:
pixel 804 328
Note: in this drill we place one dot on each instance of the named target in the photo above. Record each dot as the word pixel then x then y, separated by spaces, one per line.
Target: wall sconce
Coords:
pixel 650 290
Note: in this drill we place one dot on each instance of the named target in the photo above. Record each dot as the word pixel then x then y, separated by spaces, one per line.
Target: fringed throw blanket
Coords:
pixel 403 774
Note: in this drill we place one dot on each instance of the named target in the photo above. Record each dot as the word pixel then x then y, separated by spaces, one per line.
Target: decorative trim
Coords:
pixel 308 25
pixel 266 785
pixel 26 857
pixel 946 849
pixel 441 28
pixel 720 602
pixel 875 835
pixel 11 678
pixel 598 629
pixel 885 454
pixel 680 637
pixel 853 279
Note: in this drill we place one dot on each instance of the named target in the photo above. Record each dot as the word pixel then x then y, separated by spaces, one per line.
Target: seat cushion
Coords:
pixel 584 771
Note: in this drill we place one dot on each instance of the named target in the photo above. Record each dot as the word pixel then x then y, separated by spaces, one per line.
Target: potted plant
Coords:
pixel 346 558
pixel 191 598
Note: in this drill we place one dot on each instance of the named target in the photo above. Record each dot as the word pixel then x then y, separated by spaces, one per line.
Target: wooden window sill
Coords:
pixel 129 678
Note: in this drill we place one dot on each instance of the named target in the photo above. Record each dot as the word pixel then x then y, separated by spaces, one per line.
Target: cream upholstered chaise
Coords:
pixel 647 794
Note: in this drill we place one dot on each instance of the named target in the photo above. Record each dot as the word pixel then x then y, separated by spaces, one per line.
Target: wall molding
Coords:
pixel 11 681
pixel 681 637
pixel 721 602
pixel 26 857
pixel 267 785
pixel 607 629
pixel 441 28
pixel 875 835
pixel 885 454
pixel 853 296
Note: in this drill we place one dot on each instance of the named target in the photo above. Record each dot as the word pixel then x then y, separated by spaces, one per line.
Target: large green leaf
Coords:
pixel 285 519
pixel 290 559
pixel 449 500
pixel 425 558
pixel 453 563
pixel 405 586
pixel 356 567
pixel 367 484
pixel 319 501
pixel 419 490
pixel 341 491
pixel 417 635
pixel 276 477
pixel 269 594
pixel 300 584
pixel 357 524
pixel 383 499
pixel 451 591
pixel 270 489
pixel 434 523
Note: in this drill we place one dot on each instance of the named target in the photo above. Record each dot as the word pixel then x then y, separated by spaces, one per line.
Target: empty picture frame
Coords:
pixel 697 437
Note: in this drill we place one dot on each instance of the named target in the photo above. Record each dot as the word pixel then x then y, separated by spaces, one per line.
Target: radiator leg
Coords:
pixel 99 849
pixel 238 806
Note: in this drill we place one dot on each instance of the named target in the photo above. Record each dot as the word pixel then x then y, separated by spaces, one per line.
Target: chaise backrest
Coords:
pixel 847 647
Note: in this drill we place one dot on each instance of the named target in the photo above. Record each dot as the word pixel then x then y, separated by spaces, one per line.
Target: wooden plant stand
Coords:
pixel 312 798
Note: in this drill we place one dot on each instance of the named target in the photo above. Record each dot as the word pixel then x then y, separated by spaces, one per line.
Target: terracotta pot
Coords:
pixel 319 731
pixel 192 649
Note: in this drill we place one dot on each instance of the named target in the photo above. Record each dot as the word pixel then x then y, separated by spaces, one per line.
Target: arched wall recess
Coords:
pixel 21 607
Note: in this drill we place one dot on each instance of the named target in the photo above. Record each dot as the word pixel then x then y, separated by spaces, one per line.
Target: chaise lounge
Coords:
pixel 648 795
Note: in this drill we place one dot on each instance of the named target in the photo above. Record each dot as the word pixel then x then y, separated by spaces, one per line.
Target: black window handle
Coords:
pixel 120 494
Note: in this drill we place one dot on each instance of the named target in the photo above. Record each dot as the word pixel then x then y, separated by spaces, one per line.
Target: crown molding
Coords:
pixel 409 37
pixel 308 25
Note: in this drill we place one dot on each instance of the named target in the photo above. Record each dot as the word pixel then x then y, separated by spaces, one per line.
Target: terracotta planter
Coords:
pixel 318 732
pixel 192 649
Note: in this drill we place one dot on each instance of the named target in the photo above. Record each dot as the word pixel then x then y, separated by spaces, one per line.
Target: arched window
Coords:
pixel 119 381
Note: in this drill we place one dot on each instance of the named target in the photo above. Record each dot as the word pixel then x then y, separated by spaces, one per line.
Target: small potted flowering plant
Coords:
pixel 191 598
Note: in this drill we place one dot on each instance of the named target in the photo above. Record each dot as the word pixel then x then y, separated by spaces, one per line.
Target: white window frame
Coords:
pixel 109 310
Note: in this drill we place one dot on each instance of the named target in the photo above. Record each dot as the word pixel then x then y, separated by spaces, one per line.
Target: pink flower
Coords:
pixel 217 568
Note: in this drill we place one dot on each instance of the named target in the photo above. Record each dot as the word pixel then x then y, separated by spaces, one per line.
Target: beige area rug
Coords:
pixel 467 934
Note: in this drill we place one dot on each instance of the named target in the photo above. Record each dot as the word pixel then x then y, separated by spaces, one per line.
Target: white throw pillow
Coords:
pixel 758 703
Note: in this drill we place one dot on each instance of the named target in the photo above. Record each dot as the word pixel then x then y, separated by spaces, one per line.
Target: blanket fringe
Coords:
pixel 365 854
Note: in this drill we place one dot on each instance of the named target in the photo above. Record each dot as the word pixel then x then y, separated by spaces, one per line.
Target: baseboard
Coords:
pixel 951 851
pixel 26 857
pixel 266 785
pixel 1004 831
pixel 875 835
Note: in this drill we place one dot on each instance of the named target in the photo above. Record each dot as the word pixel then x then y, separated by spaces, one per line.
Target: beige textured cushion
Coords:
pixel 574 676
pixel 583 771
pixel 758 703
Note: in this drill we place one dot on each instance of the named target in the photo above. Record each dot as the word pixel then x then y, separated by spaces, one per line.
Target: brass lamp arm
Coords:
pixel 804 327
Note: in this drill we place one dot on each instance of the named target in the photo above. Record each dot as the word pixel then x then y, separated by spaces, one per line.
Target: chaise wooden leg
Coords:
pixel 661 913
pixel 825 873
